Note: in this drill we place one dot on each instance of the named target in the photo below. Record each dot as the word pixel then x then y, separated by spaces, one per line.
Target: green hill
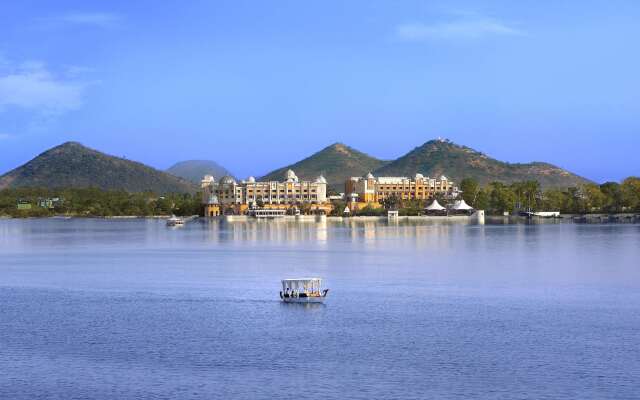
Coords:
pixel 194 170
pixel 73 165
pixel 442 157
pixel 336 163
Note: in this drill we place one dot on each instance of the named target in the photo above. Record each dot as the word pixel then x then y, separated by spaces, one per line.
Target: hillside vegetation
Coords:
pixel 72 165
pixel 336 163
pixel 194 170
pixel 442 157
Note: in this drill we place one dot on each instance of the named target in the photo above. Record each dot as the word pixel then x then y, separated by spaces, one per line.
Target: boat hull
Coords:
pixel 303 299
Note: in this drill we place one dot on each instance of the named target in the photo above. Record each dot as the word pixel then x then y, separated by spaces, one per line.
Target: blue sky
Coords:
pixel 256 85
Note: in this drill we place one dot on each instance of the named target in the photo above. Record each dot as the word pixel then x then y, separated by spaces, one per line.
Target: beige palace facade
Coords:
pixel 228 196
pixel 374 190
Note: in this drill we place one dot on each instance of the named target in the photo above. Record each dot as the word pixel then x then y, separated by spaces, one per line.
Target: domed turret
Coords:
pixel 227 180
pixel 291 176
pixel 321 179
pixel 208 179
pixel 251 179
pixel 419 176
pixel 370 176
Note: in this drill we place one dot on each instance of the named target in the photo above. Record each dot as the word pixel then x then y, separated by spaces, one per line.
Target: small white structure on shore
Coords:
pixel 435 208
pixel 461 207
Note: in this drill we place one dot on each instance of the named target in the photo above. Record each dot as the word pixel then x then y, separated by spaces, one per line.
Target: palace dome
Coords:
pixel 227 180
pixel 291 176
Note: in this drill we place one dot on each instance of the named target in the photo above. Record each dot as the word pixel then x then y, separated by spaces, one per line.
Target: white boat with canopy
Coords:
pixel 175 221
pixel 303 290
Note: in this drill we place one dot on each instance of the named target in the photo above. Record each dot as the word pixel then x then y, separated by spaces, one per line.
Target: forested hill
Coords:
pixel 443 157
pixel 194 170
pixel 72 165
pixel 336 163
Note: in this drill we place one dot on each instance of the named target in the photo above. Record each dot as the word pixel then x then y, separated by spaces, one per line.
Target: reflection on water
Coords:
pixel 129 309
pixel 303 306
pixel 65 232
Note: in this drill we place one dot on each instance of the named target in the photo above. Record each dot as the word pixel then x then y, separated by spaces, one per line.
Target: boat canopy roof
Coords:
pixel 301 283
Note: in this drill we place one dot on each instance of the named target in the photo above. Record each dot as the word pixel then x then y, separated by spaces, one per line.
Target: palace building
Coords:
pixel 230 197
pixel 369 190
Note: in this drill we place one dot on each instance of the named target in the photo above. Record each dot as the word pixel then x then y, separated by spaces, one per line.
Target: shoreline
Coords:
pixel 95 217
pixel 577 218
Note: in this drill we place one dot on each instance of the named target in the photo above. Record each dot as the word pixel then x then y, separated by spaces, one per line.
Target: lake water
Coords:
pixel 131 309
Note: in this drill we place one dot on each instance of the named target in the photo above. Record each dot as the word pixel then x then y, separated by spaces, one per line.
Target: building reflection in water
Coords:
pixel 368 232
pixel 273 231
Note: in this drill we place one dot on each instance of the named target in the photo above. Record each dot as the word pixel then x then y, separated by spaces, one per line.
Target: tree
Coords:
pixel 554 200
pixel 519 193
pixel 391 203
pixel 533 194
pixel 371 211
pixel 470 190
pixel 527 194
pixel 338 208
pixel 482 200
pixel 576 200
pixel 630 189
pixel 594 199
pixel 501 198
pixel 613 196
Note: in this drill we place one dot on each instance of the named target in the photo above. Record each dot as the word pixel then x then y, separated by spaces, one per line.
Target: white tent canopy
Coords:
pixel 461 205
pixel 435 206
pixel 304 284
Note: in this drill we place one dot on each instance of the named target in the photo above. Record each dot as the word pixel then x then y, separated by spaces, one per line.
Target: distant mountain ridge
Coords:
pixel 73 165
pixel 194 170
pixel 336 163
pixel 443 157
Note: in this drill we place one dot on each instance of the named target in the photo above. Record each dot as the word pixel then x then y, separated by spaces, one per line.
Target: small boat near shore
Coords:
pixel 540 214
pixel 303 290
pixel 175 221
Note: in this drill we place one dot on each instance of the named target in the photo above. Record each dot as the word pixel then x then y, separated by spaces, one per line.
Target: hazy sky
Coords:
pixel 255 85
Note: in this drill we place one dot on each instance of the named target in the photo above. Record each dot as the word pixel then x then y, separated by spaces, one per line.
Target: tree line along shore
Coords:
pixel 495 198
pixel 94 202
